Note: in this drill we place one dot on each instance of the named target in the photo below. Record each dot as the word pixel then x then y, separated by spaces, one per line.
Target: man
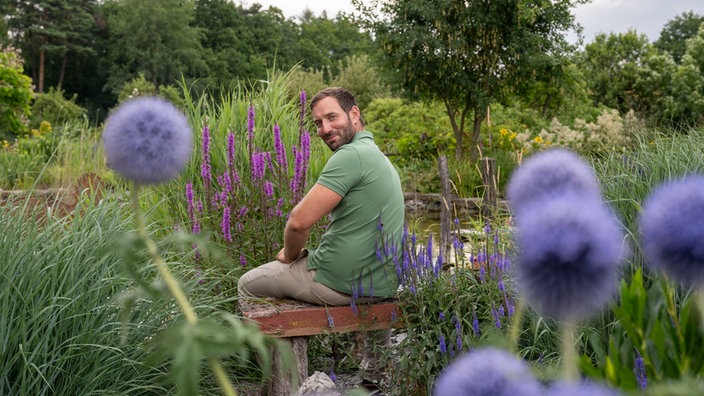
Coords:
pixel 361 190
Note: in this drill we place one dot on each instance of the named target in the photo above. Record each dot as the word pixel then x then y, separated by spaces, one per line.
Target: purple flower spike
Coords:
pixel 570 270
pixel 672 229
pixel 639 370
pixel 550 173
pixel 280 149
pixel 205 168
pixel 487 371
pixel 231 151
pixel 147 140
pixel 443 345
pixel 226 224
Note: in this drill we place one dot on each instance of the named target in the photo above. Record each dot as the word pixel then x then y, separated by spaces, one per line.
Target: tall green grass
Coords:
pixel 60 288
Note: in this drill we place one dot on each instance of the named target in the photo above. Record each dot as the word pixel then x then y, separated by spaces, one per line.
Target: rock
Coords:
pixel 318 384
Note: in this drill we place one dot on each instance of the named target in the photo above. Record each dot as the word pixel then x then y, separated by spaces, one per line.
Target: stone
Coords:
pixel 318 384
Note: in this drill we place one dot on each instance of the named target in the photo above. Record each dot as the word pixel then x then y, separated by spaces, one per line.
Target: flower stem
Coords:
pixel 569 353
pixel 516 324
pixel 175 289
pixel 169 279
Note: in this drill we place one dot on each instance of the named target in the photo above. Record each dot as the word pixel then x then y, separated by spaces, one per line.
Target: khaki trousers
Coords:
pixel 294 280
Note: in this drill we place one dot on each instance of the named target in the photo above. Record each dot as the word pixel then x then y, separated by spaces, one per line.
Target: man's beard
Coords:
pixel 346 135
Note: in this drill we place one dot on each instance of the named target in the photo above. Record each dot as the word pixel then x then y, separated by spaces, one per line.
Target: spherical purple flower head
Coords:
pixel 672 229
pixel 147 140
pixel 570 247
pixel 549 173
pixel 586 388
pixel 487 371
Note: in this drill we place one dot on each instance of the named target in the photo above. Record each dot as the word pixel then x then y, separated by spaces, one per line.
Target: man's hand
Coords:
pixel 282 257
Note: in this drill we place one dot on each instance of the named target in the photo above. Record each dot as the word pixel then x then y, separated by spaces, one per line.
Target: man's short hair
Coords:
pixel 344 98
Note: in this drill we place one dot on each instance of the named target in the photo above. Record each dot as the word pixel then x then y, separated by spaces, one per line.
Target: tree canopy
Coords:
pixel 468 54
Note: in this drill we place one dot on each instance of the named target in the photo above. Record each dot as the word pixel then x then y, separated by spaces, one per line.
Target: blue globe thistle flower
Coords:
pixel 672 229
pixel 147 140
pixel 487 371
pixel 570 248
pixel 550 173
pixel 585 388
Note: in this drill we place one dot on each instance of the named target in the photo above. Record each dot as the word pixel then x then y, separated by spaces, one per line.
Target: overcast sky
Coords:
pixel 617 16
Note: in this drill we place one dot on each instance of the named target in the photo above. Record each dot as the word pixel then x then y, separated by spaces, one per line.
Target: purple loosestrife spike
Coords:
pixel 147 140
pixel 226 224
pixel 205 168
pixel 639 370
pixel 243 260
pixel 570 270
pixel 269 189
pixel 487 371
pixel 585 388
pixel 550 173
pixel 280 150
pixel 250 126
pixel 231 151
pixel 441 316
pixel 301 121
pixel 672 229
pixel 189 200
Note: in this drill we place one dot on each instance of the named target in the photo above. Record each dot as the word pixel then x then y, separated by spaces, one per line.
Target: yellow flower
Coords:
pixel 538 139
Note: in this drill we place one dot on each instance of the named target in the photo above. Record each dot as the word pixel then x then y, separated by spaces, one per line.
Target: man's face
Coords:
pixel 335 127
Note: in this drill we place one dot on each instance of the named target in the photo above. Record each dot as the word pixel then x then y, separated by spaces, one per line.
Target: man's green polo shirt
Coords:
pixel 365 226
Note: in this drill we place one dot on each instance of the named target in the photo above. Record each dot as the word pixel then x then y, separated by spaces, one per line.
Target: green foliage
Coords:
pixel 15 95
pixel 358 75
pixel 139 86
pixel 409 130
pixel 54 108
pixel 154 38
pixel 59 280
pixel 674 35
pixel 657 322
pixel 610 64
pixel 435 55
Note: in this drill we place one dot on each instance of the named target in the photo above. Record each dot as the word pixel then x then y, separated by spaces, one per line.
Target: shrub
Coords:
pixel 54 108
pixel 15 94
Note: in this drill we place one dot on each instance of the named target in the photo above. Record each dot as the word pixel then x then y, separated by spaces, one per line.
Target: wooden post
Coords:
pixel 488 171
pixel 281 383
pixel 445 211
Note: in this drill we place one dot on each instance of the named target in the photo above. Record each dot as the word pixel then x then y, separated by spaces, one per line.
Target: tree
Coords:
pixel 673 37
pixel 152 37
pixel 48 28
pixel 325 43
pixel 611 64
pixel 467 54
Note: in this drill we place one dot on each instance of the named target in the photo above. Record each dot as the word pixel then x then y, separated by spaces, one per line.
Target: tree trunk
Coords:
pixel 62 72
pixel 546 103
pixel 476 148
pixel 40 82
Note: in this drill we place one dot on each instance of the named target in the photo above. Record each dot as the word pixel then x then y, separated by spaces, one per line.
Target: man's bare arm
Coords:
pixel 317 203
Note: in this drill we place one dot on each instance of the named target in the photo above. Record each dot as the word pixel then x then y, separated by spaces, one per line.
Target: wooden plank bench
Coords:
pixel 294 321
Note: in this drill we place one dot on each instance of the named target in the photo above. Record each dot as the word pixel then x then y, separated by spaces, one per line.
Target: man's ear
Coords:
pixel 355 115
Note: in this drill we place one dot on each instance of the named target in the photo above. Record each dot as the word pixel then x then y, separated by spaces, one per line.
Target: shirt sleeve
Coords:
pixel 342 171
